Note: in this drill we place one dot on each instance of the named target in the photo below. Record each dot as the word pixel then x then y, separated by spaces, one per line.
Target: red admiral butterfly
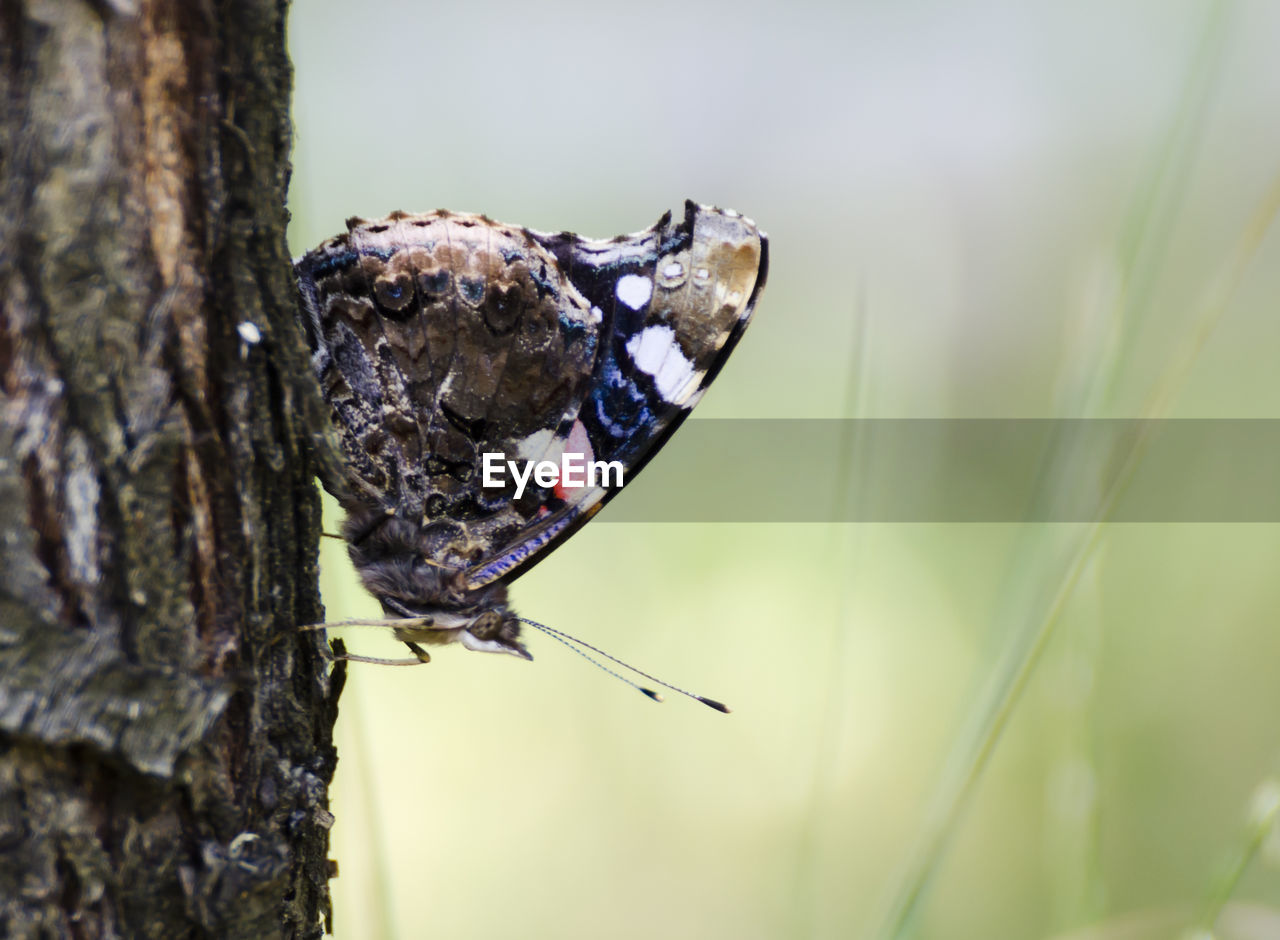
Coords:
pixel 443 337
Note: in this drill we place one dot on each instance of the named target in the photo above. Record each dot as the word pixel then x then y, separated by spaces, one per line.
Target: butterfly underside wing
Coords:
pixel 441 337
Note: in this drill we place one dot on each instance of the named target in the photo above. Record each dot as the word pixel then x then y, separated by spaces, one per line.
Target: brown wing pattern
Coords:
pixel 440 337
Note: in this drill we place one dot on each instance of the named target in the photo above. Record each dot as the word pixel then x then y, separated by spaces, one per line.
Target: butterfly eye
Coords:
pixel 486 625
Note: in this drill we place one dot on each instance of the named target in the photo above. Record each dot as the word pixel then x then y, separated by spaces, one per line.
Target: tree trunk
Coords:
pixel 165 730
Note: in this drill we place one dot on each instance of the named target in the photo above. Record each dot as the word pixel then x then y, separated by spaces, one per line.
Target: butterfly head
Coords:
pixel 496 630
pixel 389 558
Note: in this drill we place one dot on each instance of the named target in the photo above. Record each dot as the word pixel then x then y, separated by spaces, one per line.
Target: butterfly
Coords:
pixel 455 352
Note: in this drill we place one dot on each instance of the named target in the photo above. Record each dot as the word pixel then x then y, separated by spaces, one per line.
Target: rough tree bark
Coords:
pixel 165 731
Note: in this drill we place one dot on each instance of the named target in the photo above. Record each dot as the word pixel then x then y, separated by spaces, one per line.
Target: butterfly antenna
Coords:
pixel 574 643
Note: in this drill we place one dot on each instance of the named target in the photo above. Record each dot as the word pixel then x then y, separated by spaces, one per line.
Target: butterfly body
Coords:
pixel 440 338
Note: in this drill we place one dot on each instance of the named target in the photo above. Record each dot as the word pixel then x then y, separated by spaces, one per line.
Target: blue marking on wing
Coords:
pixel 334 263
pixel 516 556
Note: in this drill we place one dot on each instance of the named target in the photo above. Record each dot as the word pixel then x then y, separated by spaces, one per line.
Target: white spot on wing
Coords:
pixel 250 333
pixel 534 447
pixel 596 314
pixel 655 352
pixel 634 290
pixel 650 346
pixel 674 269
pixel 693 399
pixel 691 386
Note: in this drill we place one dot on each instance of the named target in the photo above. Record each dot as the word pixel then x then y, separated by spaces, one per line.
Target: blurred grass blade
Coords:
pixel 1057 563
pixel 979 743
pixel 1152 219
pixel 1265 811
pixel 852 455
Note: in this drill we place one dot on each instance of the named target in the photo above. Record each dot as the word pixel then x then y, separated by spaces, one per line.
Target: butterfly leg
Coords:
pixel 422 655
pixel 418 660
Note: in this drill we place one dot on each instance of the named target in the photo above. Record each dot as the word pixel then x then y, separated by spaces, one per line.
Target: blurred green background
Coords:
pixel 977 209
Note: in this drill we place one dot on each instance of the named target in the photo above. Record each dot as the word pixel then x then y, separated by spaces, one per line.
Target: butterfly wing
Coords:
pixel 438 337
pixel 443 337
pixel 672 302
